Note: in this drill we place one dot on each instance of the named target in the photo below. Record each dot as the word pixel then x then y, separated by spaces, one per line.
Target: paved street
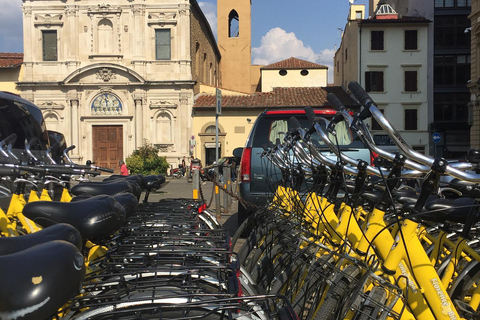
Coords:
pixel 181 188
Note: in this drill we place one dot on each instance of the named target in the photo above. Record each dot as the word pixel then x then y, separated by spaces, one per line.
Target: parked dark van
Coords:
pixel 258 178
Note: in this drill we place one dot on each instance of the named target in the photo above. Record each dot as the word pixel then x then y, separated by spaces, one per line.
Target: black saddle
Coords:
pixel 128 201
pixel 457 210
pixel 136 183
pixel 61 231
pixel 466 188
pixel 95 217
pixel 36 282
pixel 105 188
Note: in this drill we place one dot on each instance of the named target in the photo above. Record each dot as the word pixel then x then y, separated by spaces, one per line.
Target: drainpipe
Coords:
pixel 360 55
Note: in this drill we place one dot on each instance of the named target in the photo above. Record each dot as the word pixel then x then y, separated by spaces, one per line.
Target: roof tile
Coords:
pixel 280 97
pixel 10 60
pixel 294 63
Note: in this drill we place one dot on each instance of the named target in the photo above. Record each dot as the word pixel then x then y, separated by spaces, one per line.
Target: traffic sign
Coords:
pixel 436 137
pixel 218 96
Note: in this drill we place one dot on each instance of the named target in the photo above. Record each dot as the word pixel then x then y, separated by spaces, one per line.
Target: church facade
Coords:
pixel 110 76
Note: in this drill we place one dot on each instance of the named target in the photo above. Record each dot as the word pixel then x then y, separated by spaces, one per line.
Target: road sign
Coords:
pixel 218 94
pixel 436 137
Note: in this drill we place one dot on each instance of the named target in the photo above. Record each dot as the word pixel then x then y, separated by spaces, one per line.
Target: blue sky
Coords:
pixel 306 29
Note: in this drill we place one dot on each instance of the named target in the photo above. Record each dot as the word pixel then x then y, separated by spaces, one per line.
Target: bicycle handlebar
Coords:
pixel 368 103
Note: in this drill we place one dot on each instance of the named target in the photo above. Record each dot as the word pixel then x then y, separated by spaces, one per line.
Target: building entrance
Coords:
pixel 107 146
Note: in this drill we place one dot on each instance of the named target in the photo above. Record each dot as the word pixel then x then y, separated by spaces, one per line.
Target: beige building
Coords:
pixel 109 75
pixel 293 72
pixel 10 71
pixel 239 111
pixel 388 55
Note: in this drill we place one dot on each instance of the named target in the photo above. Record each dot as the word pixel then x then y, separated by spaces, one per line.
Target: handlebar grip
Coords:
pixel 365 113
pixel 293 122
pixel 92 172
pixel 105 169
pixel 11 139
pixel 8 171
pixel 310 114
pixel 335 102
pixel 32 141
pixel 33 169
pixel 69 148
pixel 359 93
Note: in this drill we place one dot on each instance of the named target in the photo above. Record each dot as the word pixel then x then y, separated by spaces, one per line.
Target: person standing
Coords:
pixel 184 166
pixel 123 168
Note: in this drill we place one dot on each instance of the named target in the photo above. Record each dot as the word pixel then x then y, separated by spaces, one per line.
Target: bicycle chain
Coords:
pixel 230 193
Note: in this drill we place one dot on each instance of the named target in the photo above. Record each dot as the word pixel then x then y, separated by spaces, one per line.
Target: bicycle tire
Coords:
pixel 462 286
pixel 289 282
pixel 336 294
pixel 332 301
pixel 377 296
pixel 259 250
pixel 310 293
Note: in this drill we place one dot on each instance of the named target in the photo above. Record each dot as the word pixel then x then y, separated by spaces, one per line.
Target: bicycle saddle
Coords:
pixel 61 231
pixel 135 183
pixel 106 188
pixel 127 200
pixel 457 210
pixel 94 217
pixel 151 182
pixel 37 281
pixel 138 178
pixel 161 179
pixel 466 188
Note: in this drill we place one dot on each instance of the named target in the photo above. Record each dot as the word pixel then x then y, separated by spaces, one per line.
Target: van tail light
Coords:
pixel 245 165
pixel 373 156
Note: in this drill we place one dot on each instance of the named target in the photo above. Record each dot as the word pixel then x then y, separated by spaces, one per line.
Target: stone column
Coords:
pixel 138 122
pixel 74 121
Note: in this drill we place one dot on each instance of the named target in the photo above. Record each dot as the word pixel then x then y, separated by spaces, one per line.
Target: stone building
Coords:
pixel 110 75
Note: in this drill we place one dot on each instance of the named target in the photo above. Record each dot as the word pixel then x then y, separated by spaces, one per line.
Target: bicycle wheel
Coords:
pixel 372 305
pixel 466 283
pixel 310 294
pixel 336 294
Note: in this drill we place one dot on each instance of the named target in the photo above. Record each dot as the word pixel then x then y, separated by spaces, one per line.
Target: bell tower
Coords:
pixel 234 42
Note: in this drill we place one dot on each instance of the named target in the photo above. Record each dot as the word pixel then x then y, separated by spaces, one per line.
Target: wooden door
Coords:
pixel 107 146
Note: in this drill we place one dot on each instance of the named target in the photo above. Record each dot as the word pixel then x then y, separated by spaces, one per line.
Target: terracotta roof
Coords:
pixel 294 63
pixel 10 60
pixel 280 97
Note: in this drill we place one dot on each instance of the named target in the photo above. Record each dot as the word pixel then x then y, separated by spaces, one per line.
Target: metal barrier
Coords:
pixel 221 183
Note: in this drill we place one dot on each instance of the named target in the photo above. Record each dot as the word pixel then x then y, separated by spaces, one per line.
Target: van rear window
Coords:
pixel 274 128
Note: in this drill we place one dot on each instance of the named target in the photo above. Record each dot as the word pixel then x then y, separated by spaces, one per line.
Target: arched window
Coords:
pixel 211 130
pixel 233 24
pixel 105 36
pixel 163 126
pixel 51 122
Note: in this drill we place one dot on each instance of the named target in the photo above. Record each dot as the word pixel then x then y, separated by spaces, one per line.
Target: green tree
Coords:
pixel 145 160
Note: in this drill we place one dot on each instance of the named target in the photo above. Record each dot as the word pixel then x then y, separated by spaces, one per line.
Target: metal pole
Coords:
pixel 216 137
pixel 217 193
pixel 226 186
pixel 196 184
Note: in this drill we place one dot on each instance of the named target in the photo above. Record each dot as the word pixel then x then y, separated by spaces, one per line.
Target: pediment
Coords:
pixel 104 74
